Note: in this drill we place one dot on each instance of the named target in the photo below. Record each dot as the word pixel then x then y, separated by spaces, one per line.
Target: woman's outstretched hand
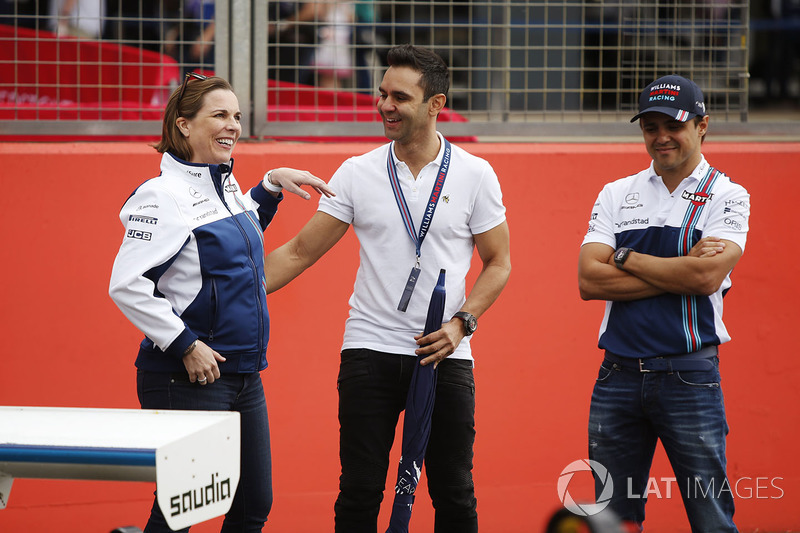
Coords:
pixel 292 179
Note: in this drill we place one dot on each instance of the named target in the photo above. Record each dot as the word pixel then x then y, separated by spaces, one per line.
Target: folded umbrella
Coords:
pixel 417 421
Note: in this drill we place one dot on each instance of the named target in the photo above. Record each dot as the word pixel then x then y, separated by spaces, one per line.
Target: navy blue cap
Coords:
pixel 675 96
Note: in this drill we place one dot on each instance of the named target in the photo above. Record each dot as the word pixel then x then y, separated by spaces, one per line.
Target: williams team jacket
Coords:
pixel 191 265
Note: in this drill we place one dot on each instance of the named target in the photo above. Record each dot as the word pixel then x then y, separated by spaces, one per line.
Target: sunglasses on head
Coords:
pixel 189 76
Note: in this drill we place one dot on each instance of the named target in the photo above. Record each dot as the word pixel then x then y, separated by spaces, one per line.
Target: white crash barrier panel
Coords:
pixel 193 456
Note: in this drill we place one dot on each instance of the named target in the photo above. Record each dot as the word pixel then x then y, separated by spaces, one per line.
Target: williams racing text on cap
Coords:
pixel 675 96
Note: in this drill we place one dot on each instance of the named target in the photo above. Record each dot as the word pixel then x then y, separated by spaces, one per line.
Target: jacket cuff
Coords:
pixel 264 197
pixel 179 345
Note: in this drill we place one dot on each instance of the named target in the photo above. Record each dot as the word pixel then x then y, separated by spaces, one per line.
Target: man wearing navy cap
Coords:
pixel 660 247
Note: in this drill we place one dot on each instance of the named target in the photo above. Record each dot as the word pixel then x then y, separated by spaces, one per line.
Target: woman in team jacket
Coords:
pixel 190 275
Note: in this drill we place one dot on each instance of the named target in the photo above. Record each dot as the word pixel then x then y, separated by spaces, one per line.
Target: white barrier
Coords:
pixel 193 456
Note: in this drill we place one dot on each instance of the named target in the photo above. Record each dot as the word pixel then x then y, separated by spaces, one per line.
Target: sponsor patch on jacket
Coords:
pixel 143 219
pixel 139 234
pixel 207 214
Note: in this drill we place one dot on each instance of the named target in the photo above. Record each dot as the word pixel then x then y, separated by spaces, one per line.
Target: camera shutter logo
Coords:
pixel 585 509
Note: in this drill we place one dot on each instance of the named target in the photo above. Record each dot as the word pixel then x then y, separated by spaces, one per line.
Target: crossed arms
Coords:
pixel 701 272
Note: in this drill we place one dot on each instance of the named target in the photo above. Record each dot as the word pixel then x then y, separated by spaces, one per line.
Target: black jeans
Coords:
pixel 372 392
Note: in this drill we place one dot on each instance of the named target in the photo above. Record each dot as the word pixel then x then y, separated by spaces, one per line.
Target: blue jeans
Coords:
pixel 230 392
pixel 372 392
pixel 631 410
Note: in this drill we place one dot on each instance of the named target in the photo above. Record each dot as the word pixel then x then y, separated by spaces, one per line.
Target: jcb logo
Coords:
pixel 139 234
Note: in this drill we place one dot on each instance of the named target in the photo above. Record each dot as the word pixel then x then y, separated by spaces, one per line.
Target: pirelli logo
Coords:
pixel 139 234
pixel 143 219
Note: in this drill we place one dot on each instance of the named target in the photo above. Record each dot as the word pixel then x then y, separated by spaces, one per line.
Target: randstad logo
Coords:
pixel 600 471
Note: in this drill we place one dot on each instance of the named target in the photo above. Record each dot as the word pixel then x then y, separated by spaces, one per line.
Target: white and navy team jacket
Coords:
pixel 191 265
pixel 639 212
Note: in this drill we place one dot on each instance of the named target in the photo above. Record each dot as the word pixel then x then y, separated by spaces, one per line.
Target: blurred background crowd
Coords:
pixel 325 33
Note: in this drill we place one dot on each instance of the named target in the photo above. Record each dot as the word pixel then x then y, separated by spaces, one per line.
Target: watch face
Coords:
pixel 472 324
pixel 621 255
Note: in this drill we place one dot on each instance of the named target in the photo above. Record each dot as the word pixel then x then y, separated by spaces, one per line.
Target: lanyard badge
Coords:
pixel 405 214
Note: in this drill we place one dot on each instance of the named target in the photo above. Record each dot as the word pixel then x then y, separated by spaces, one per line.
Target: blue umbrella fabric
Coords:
pixel 417 421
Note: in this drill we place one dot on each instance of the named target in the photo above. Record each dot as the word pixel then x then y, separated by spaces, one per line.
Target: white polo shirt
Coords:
pixel 470 203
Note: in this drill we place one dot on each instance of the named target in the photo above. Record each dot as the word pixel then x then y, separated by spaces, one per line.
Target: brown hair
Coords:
pixel 435 77
pixel 172 140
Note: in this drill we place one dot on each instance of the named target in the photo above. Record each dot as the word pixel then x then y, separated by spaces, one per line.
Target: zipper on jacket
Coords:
pixel 220 192
pixel 214 309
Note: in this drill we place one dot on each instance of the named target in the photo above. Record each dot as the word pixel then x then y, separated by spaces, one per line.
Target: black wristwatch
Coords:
pixel 470 322
pixel 621 255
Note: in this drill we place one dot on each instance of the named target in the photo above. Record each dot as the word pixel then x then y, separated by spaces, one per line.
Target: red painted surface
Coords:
pixel 76 79
pixel 50 78
pixel 66 344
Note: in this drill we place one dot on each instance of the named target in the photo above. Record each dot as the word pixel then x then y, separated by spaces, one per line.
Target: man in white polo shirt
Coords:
pixel 660 248
pixel 390 196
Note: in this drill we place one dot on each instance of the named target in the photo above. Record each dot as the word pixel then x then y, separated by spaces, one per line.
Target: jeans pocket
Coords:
pixel 700 378
pixel 456 373
pixel 354 364
pixel 604 373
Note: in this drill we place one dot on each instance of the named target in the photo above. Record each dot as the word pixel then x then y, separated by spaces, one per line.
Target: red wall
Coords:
pixel 66 344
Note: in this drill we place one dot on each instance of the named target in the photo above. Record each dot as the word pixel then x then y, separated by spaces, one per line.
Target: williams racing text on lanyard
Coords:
pixel 405 213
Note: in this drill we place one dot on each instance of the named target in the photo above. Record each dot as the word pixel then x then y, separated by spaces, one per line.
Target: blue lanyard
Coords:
pixel 402 205
pixel 405 213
